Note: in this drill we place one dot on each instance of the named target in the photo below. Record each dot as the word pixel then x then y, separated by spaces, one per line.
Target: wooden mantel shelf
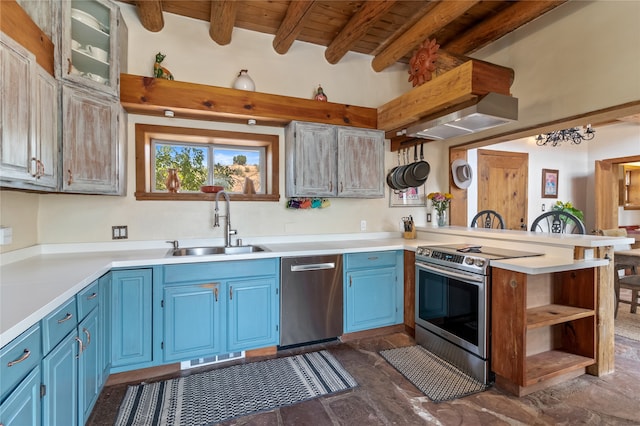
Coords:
pixel 153 96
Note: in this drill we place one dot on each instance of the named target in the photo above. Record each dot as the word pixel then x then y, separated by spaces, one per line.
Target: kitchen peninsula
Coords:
pixel 36 281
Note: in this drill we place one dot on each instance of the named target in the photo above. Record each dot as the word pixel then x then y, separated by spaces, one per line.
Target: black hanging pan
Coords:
pixel 420 170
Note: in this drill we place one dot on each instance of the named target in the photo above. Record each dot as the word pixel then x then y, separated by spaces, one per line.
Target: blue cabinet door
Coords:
pixel 104 345
pixel 22 407
pixel 252 314
pixel 89 369
pixel 370 299
pixel 60 378
pixel 131 320
pixel 192 316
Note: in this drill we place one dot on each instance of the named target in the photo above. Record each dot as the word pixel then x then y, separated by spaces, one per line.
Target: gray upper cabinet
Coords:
pixel 93 44
pixel 333 161
pixel 29 120
pixel 92 154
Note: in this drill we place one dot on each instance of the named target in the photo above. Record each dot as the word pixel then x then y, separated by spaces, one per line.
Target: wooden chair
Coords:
pixel 558 222
pixel 625 276
pixel 487 219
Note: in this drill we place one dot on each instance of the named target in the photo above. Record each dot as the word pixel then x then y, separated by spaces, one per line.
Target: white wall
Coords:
pixel 580 57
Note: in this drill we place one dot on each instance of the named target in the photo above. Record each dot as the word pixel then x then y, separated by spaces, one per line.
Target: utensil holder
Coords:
pixel 410 235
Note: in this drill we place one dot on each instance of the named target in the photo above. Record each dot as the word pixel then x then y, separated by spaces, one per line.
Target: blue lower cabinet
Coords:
pixel 104 287
pixel 252 314
pixel 192 316
pixel 131 319
pixel 23 407
pixel 219 307
pixel 60 380
pixel 373 290
pixel 89 368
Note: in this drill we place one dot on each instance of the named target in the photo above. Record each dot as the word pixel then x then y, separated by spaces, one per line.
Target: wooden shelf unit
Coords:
pixel 535 346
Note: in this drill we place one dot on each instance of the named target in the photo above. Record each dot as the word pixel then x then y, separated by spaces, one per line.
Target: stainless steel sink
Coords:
pixel 207 251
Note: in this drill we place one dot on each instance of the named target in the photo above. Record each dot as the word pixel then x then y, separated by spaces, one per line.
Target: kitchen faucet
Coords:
pixel 216 220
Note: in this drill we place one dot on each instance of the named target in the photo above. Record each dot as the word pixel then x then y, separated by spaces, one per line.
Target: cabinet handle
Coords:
pixel 24 356
pixel 92 296
pixel 70 181
pixel 40 169
pixel 33 165
pixel 341 187
pixel 215 292
pixel 69 68
pixel 88 336
pixel 331 186
pixel 230 292
pixel 81 346
pixel 350 282
pixel 66 318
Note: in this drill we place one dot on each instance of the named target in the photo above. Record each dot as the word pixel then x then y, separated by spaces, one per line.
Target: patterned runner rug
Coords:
pixel 435 377
pixel 218 395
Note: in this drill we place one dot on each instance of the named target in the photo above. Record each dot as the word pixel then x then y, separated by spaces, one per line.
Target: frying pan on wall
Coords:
pixel 418 171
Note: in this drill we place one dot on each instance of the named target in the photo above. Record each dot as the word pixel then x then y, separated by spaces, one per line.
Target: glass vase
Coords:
pixel 173 181
pixel 442 218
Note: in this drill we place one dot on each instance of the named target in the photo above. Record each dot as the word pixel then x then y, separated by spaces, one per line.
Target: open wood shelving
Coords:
pixel 567 324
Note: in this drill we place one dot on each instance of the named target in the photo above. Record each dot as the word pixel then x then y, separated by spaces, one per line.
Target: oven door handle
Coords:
pixel 451 274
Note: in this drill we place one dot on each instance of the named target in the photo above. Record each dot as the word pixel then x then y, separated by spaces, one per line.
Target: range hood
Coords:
pixel 492 110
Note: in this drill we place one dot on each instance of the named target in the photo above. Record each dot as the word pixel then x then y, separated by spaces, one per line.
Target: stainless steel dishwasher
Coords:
pixel 310 299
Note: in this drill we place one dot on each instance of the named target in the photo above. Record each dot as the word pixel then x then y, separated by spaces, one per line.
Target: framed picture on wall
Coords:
pixel 549 183
pixel 411 197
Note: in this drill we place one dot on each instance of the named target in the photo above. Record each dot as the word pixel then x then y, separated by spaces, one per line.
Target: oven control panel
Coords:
pixel 444 257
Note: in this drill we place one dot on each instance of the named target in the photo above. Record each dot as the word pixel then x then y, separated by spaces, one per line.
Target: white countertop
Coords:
pixel 37 280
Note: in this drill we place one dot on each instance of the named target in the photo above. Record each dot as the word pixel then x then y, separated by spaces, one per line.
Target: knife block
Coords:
pixel 410 235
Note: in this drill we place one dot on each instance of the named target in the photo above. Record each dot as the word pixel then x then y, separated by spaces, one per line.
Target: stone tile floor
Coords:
pixel 385 397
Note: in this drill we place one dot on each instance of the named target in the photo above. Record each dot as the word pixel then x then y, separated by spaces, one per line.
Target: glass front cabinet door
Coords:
pixel 93 44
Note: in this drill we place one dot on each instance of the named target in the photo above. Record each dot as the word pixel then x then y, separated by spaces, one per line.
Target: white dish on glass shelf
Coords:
pixel 85 18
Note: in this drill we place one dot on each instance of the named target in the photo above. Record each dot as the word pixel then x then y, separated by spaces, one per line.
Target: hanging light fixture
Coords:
pixel 572 135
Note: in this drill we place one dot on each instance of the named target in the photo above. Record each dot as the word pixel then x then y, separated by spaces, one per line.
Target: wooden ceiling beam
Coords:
pixel 441 15
pixel 292 24
pixel 221 21
pixel 370 13
pixel 150 14
pixel 491 29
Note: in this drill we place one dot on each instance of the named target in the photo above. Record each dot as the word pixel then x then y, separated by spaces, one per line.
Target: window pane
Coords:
pixel 233 165
pixel 191 162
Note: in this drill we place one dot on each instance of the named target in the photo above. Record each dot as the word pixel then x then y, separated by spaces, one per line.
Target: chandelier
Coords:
pixel 572 135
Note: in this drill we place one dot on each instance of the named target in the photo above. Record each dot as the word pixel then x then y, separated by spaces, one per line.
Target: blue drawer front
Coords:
pixel 190 272
pixel 58 324
pixel 87 299
pixel 18 358
pixel 368 260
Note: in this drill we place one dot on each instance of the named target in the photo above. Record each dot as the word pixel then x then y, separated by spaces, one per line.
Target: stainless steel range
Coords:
pixel 453 290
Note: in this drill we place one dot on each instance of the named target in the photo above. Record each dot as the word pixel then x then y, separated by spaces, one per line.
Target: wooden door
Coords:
pixel 502 185
pixel 606 198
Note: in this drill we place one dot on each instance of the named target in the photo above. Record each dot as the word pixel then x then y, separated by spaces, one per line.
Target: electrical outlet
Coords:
pixel 6 235
pixel 428 217
pixel 119 232
pixel 543 207
pixel 363 225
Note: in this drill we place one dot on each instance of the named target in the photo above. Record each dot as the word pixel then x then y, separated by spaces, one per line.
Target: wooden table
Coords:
pixel 628 257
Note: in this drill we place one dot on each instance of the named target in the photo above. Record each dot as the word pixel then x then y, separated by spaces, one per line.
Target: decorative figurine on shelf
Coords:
pixel 173 181
pixel 159 71
pixel 244 82
pixel 320 96
pixel 423 62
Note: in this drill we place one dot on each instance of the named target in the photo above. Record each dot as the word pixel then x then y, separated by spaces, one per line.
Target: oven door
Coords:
pixel 453 304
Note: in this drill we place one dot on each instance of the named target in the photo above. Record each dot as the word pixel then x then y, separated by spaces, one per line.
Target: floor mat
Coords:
pixel 222 394
pixel 435 377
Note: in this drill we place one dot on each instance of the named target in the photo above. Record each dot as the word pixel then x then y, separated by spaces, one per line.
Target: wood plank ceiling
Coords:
pixel 390 31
